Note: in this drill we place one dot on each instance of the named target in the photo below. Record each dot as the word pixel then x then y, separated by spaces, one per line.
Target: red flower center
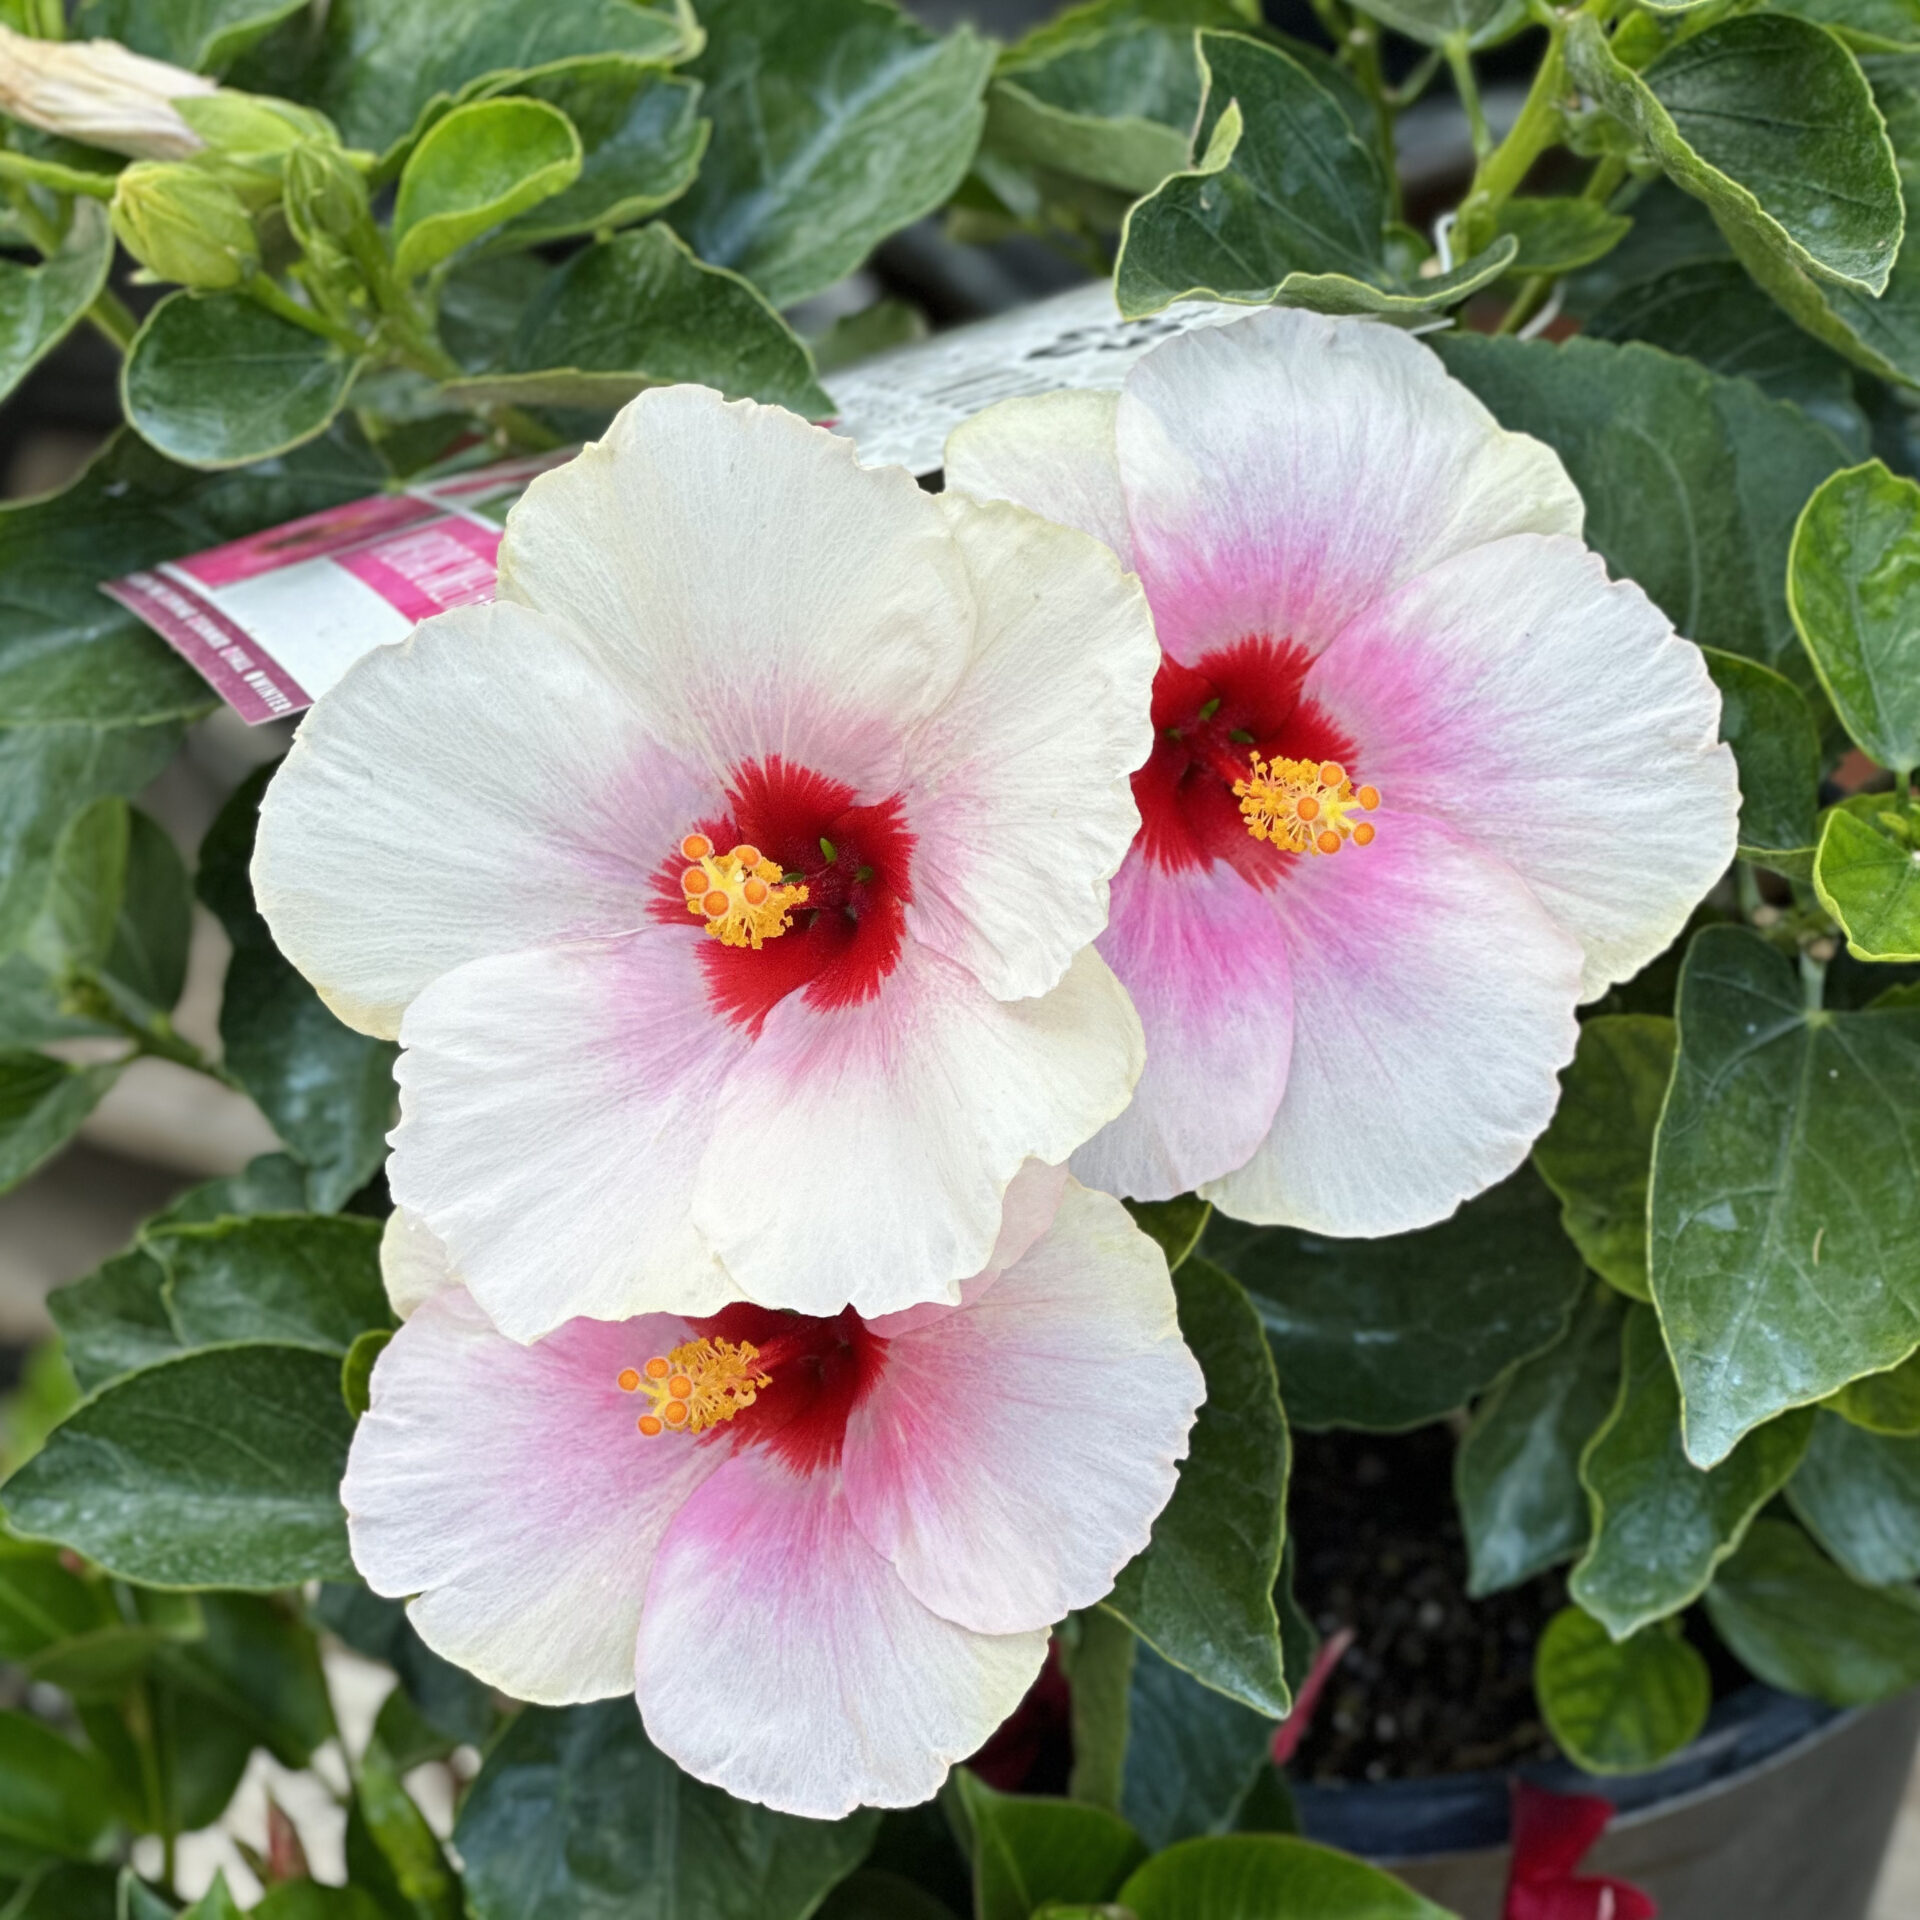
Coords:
pixel 821 909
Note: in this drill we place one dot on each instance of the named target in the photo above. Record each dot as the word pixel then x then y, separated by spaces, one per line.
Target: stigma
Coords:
pixel 742 895
pixel 1304 806
pixel 696 1386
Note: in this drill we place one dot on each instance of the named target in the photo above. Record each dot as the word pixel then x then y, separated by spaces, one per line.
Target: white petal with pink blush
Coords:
pixel 1465 780
pixel 865 1529
pixel 756 744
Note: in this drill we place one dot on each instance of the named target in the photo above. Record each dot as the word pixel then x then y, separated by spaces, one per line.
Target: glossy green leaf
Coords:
pixel 1202 1593
pixel 1516 1474
pixel 85 880
pixel 1853 580
pixel 1802 1625
pixel 1867 874
pixel 574 1811
pixel 219 1468
pixel 53 1800
pixel 1479 22
pixel 212 380
pixel 834 125
pixel 1660 1524
pixel 43 1603
pixel 392 1850
pixel 1029 1852
pixel 42 1103
pixel 1868 26
pixel 1858 1494
pixel 1780 1275
pixel 1247 1876
pixel 1556 236
pixel 1768 724
pixel 1771 123
pixel 1619 1706
pixel 473 171
pixel 205 35
pixel 115 1320
pixel 640 311
pixel 641 135
pixel 1192 1754
pixel 268 1183
pixel 40 305
pixel 301 1279
pixel 1885 1402
pixel 1598 1149
pixel 1176 1225
pixel 1692 481
pixel 854 337
pixel 1392 1333
pixel 327 1090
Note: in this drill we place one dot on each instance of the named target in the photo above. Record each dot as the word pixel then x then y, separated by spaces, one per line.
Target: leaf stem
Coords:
pixel 277 300
pixel 1363 39
pixel 1467 84
pixel 56 178
pixel 113 317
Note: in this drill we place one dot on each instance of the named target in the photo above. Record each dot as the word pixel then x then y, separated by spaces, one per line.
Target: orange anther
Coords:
pixel 675 1413
pixel 1328 842
pixel 754 893
pixel 680 1387
pixel 1307 807
pixel 657 1369
pixel 648 1425
pixel 629 1380
pixel 1369 797
pixel 1363 834
pixel 1331 773
pixel 747 854
pixel 696 846
pixel 714 905
pixel 694 880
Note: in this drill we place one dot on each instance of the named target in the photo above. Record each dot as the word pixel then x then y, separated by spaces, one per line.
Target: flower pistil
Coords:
pixel 696 1386
pixel 1304 806
pixel 742 895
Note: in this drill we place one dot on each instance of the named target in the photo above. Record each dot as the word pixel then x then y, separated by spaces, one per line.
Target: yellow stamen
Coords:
pixel 1305 806
pixel 696 1386
pixel 740 894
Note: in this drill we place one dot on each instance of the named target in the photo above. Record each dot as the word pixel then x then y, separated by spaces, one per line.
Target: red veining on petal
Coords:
pixel 856 863
pixel 1209 719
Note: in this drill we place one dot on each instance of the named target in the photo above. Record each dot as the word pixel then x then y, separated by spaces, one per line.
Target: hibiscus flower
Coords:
pixel 1422 778
pixel 824 1552
pixel 729 881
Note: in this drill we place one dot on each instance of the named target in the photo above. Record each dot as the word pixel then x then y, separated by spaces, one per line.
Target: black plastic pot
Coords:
pixel 1781 1810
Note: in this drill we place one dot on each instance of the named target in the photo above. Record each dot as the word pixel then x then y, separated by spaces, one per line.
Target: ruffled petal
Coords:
pixel 479 787
pixel 783 1659
pixel 1204 961
pixel 1557 720
pixel 1051 452
pixel 554 1108
pixel 1011 1458
pixel 861 1155
pixel 1019 788
pixel 507 1488
pixel 1433 1003
pixel 1285 471
pixel 413 1263
pixel 756 589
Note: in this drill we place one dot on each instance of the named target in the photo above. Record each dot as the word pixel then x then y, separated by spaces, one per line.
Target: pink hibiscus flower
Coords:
pixel 1422 777
pixel 824 1552
pixel 729 881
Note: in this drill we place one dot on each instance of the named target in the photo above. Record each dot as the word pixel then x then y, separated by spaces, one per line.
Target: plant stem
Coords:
pixel 1419 78
pixel 1813 980
pixel 1363 38
pixel 50 174
pixel 1466 83
pixel 277 300
pixel 112 317
pixel 1502 171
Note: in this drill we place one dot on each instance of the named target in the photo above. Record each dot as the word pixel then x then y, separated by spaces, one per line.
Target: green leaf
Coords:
pixel 258 1665
pixel 1516 1473
pixel 213 380
pixel 1202 1592
pixel 42 1603
pixel 1391 1333
pixel 473 171
pixel 1284 203
pixel 1692 481
pixel 391 1847
pixel 1858 1494
pixel 1770 122
pixel 217 1469
pixel 1801 1625
pixel 1619 1706
pixel 834 125
pixel 302 1279
pixel 1176 1225
pixel 1556 236
pixel 42 1103
pixel 115 1320
pixel 1885 1402
pixel 1596 1152
pixel 641 136
pixel 356 1368
pixel 873 330
pixel 1868 26
pixel 388 66
pixel 574 1811
pixel 1867 874
pixel 872 1894
pixel 40 305
pixel 1769 726
pixel 268 1183
pixel 138 1901
pixel 1853 580
pixel 1192 1755
pixel 53 1799
pixel 640 311
pixel 451 1702
pixel 1480 23
pixel 1249 1876
pixel 216 1903
pixel 1028 1852
pixel 327 1090
pixel 85 879
pixel 205 35
pixel 1781 1274
pixel 1660 1524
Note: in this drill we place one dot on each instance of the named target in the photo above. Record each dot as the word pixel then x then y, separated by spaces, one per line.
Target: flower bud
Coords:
pixel 184 223
pixel 326 197
pixel 97 92
pixel 253 126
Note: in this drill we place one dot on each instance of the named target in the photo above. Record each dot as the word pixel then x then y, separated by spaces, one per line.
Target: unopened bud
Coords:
pixel 253 125
pixel 96 92
pixel 326 197
pixel 184 223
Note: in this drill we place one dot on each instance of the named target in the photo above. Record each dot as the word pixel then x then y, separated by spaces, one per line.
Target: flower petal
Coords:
pixel 1011 1458
pixel 781 1658
pixel 861 1155
pixel 756 589
pixel 1433 1006
pixel 554 1107
pixel 413 1263
pixel 1557 720
pixel 1285 471
pixel 506 1486
pixel 477 788
pixel 1019 788
pixel 1203 958
pixel 1051 452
